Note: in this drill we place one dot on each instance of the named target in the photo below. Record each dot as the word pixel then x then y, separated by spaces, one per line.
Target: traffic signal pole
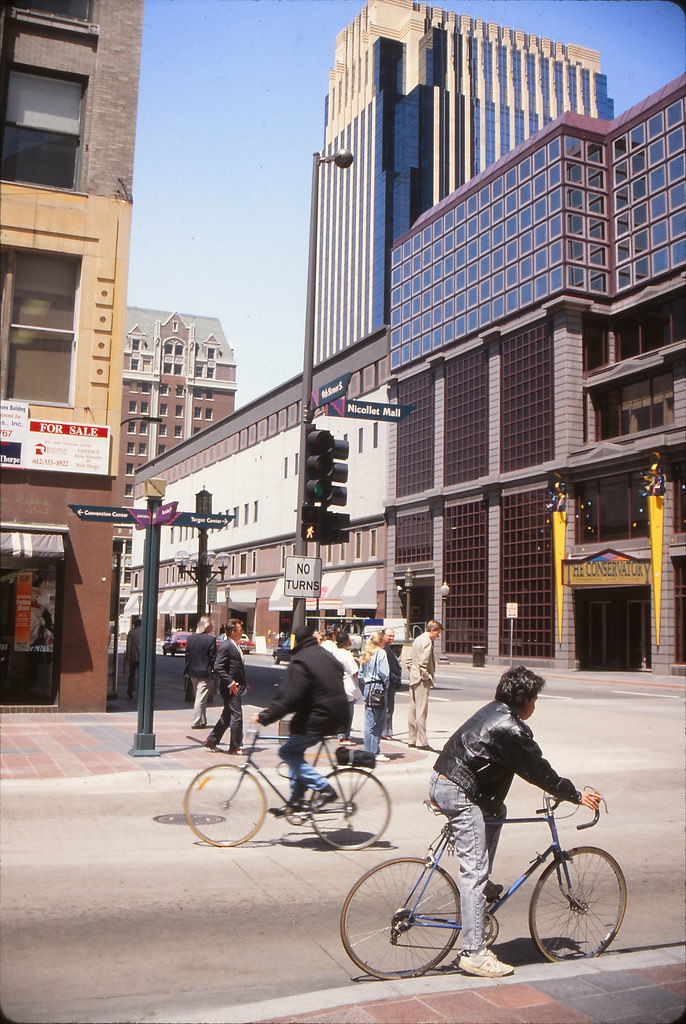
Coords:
pixel 342 159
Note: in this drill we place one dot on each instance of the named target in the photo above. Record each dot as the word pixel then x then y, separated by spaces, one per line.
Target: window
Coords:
pixel 642 405
pixel 611 508
pixel 41 335
pixel 413 538
pixel 595 348
pixel 415 461
pixel 465 547
pixel 466 418
pixel 526 575
pixel 372 543
pixel 526 399
pixel 42 130
pixel 76 9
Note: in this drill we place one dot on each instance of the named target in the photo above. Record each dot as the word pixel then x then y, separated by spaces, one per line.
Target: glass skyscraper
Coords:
pixel 425 99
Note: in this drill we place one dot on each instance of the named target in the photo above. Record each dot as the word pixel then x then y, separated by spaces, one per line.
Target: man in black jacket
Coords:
pixel 471 777
pixel 201 650
pixel 230 670
pixel 313 690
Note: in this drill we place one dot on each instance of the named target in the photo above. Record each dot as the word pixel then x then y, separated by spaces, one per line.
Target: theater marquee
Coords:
pixel 606 569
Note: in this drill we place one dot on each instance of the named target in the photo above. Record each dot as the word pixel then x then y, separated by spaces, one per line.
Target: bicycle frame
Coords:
pixel 250 762
pixel 436 850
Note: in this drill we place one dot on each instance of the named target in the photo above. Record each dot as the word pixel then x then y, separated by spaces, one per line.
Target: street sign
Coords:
pixel 106 514
pixel 303 576
pixel 512 610
pixel 366 410
pixel 331 391
pixel 165 514
pixel 200 522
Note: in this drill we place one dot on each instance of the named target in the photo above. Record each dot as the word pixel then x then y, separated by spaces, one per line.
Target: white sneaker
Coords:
pixel 382 757
pixel 484 965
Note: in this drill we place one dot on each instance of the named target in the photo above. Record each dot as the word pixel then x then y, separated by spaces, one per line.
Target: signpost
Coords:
pixel 150 519
pixel 329 392
pixel 511 612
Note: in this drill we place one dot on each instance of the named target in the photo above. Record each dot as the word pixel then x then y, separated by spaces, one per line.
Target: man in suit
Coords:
pixel 201 650
pixel 422 672
pixel 230 670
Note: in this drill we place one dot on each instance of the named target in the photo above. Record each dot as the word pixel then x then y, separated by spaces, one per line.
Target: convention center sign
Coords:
pixel 607 568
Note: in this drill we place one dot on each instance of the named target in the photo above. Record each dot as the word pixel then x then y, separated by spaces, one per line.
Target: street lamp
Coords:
pixel 208 565
pixel 445 594
pixel 409 583
pixel 342 158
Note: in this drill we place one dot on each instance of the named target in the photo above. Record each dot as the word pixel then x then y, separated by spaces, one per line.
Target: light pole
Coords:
pixel 409 583
pixel 208 565
pixel 445 594
pixel 342 158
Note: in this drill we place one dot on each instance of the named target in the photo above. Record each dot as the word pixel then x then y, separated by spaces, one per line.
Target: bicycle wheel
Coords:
pixel 582 921
pixel 225 805
pixel 360 814
pixel 401 918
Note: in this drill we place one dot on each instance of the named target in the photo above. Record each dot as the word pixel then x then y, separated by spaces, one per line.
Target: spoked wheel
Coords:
pixel 359 815
pixel 225 805
pixel 401 918
pixel 582 920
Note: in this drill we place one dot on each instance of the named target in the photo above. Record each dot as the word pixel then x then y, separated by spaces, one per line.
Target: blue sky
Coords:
pixel 231 108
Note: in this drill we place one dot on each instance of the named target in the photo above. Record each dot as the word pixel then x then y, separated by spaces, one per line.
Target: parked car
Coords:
pixel 246 645
pixel 175 643
pixel 283 651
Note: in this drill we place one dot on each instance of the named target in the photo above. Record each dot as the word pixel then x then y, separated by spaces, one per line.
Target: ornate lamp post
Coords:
pixel 409 583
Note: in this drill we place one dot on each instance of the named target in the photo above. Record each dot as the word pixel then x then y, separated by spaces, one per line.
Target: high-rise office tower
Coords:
pixel 425 99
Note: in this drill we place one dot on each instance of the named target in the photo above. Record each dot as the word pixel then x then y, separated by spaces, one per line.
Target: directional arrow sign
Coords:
pixel 366 410
pixel 106 514
pixel 166 514
pixel 208 522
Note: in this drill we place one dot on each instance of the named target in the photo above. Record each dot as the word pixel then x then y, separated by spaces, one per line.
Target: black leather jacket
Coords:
pixel 493 746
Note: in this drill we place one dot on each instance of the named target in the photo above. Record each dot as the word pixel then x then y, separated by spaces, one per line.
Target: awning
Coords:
pixel 32 545
pixel 184 602
pixel 277 601
pixel 332 588
pixel 132 605
pixel 241 597
pixel 166 600
pixel 360 589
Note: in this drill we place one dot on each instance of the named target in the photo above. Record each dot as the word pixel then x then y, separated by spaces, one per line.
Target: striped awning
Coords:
pixel 31 546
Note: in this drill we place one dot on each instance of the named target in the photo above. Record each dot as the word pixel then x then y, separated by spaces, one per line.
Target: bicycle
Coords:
pixel 402 918
pixel 225 804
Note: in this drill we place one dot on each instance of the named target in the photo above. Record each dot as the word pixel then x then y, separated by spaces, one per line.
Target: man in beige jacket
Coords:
pixel 422 671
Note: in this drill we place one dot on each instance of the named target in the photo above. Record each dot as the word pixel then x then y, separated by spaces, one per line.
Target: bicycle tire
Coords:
pixel 360 814
pixel 377 927
pixel 584 925
pixel 225 805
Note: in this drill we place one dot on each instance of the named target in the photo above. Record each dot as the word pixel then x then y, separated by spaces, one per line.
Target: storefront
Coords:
pixel 30 596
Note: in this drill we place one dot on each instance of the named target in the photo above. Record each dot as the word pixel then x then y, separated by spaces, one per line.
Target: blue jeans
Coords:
pixel 374 719
pixel 300 771
pixel 475 846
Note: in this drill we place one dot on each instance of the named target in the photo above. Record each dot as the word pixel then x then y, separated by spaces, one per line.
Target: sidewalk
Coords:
pixel 646 987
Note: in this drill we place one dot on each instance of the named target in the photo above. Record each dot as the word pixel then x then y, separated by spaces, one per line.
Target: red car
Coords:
pixel 246 645
pixel 175 643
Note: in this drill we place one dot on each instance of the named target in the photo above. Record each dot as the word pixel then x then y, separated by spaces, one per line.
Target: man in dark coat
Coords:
pixel 313 690
pixel 201 650
pixel 230 670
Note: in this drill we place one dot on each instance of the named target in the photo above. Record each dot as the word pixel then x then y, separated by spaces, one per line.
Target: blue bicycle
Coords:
pixel 403 917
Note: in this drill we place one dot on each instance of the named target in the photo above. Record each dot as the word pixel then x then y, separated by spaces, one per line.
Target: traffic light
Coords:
pixel 323 471
pixel 321 526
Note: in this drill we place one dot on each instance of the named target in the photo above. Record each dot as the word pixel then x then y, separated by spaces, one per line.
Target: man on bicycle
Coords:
pixel 313 689
pixel 470 779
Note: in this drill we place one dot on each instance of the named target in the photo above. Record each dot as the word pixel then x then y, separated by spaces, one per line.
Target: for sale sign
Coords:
pixel 14 421
pixel 68 447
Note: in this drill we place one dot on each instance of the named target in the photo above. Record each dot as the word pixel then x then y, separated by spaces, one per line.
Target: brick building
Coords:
pixel 69 95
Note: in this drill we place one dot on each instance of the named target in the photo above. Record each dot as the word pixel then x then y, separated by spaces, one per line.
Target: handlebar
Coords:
pixel 551 805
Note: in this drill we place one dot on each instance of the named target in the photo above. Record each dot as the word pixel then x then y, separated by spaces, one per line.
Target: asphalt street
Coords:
pixel 113 911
